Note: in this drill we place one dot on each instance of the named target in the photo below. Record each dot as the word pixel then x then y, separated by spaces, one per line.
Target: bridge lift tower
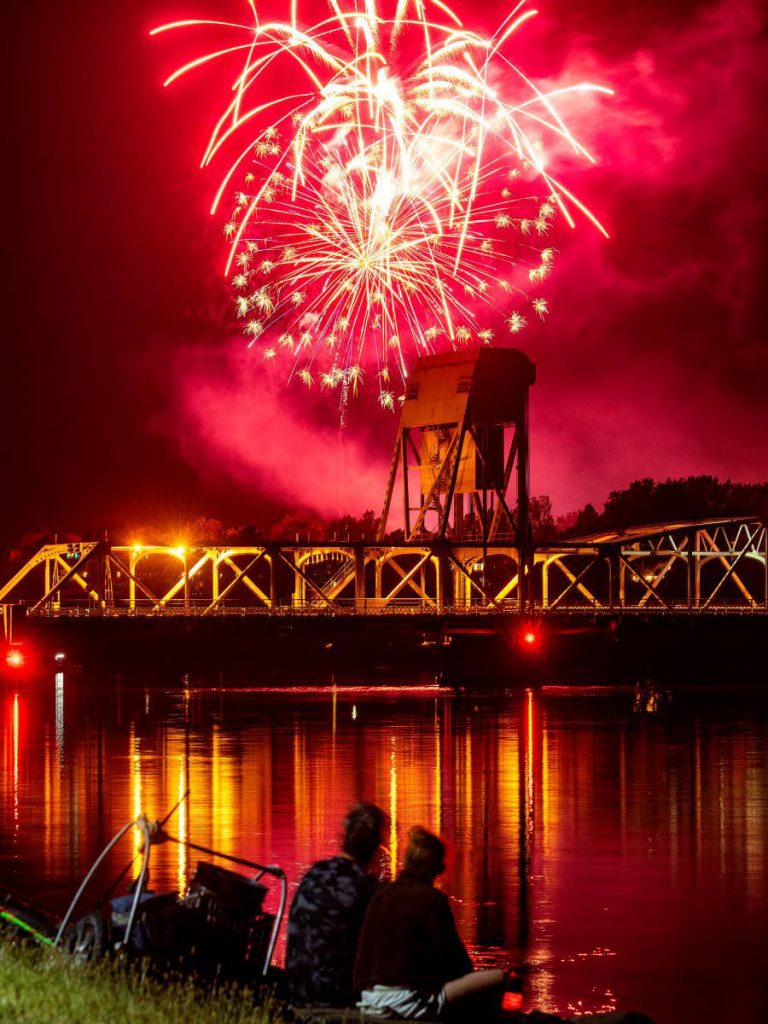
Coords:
pixel 463 435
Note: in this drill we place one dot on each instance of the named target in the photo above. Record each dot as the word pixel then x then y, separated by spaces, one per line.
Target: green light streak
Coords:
pixel 6 915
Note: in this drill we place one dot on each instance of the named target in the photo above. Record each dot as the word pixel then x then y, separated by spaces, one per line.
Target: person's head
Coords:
pixel 425 854
pixel 363 826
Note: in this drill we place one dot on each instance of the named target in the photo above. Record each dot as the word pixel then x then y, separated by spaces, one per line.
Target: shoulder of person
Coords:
pixel 439 900
pixel 322 869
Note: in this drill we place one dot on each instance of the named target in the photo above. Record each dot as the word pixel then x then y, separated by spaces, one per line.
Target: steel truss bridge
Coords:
pixel 685 568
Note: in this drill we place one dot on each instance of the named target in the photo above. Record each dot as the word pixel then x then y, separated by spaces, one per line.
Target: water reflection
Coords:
pixel 15 728
pixel 59 691
pixel 602 848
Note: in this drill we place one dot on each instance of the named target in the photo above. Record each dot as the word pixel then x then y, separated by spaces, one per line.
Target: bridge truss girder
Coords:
pixel 712 566
pixel 701 566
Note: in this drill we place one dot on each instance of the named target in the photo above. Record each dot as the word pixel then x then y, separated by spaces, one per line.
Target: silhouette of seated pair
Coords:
pixel 392 949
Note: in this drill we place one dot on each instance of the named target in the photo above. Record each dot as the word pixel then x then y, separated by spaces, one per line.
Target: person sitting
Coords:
pixel 327 913
pixel 410 960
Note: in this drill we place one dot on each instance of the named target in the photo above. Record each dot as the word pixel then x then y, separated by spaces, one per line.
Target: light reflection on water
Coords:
pixel 619 855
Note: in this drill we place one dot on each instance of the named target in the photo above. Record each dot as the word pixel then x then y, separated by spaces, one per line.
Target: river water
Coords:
pixel 613 845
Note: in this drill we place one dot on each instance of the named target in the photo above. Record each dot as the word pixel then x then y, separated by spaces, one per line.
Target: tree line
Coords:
pixel 644 501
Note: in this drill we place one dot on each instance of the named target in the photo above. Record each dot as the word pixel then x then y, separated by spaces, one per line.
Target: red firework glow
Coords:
pixel 398 199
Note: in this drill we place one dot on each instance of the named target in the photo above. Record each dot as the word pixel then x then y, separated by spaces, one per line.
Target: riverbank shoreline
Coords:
pixel 42 986
pixel 39 985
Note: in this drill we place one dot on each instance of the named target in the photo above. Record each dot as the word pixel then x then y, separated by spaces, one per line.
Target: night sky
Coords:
pixel 129 398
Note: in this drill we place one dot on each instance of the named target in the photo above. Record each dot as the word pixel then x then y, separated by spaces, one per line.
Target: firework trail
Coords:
pixel 397 200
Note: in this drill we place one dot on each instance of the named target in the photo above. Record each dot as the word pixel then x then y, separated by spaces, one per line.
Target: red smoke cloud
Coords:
pixel 652 362
pixel 250 424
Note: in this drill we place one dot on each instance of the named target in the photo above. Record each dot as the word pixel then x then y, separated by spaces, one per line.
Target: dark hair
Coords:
pixel 425 854
pixel 362 831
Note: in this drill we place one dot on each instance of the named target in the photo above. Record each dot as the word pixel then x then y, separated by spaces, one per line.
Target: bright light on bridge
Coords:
pixel 14 658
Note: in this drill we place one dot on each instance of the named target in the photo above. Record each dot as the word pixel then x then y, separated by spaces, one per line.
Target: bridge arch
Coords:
pixel 324 575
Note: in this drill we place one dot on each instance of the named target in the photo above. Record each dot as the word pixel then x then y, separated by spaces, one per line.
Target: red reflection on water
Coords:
pixel 583 840
pixel 15 732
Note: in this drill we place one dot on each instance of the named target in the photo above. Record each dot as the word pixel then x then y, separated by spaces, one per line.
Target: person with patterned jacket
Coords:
pixel 327 914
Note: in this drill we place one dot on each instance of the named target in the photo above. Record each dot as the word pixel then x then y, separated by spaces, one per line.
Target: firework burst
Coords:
pixel 396 205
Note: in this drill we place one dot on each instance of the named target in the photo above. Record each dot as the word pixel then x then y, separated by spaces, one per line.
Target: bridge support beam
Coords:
pixel 360 592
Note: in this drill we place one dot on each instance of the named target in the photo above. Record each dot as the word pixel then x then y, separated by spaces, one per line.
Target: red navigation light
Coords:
pixel 530 638
pixel 14 658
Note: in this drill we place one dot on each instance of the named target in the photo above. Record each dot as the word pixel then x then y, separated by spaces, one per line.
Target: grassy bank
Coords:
pixel 41 987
